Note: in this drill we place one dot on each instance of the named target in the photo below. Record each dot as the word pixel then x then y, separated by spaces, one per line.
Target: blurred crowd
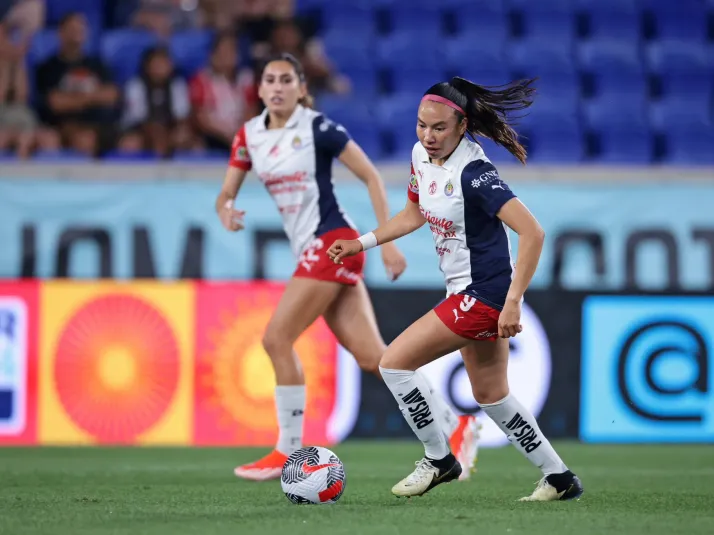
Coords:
pixel 72 101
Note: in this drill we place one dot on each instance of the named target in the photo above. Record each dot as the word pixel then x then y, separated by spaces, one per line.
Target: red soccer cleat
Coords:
pixel 464 444
pixel 265 469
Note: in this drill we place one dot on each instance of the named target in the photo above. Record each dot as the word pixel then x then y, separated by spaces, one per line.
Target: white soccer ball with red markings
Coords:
pixel 313 475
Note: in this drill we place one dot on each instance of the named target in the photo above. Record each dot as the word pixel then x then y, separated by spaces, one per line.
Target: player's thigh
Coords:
pixel 486 364
pixel 424 341
pixel 303 301
pixel 351 318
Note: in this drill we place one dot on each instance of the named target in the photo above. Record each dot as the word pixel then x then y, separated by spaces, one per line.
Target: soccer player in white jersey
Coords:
pixel 291 148
pixel 469 208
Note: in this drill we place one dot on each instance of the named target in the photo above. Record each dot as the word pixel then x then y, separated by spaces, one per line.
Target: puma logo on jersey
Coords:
pixel 497 186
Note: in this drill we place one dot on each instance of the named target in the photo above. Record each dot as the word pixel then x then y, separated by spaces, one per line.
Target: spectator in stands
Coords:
pixel 223 96
pixel 287 37
pixel 76 91
pixel 156 107
pixel 18 123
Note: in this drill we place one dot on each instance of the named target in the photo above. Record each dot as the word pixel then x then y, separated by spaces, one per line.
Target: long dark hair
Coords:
pixel 308 101
pixel 488 110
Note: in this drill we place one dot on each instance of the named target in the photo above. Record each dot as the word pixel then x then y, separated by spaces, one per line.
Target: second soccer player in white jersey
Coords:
pixel 291 148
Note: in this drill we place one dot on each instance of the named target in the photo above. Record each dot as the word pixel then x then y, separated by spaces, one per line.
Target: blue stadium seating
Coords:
pixel 691 145
pixel 612 74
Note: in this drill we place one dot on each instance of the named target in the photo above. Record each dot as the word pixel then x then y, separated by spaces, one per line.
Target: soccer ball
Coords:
pixel 313 475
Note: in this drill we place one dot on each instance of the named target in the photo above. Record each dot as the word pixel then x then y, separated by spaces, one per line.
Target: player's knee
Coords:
pixel 274 344
pixel 485 394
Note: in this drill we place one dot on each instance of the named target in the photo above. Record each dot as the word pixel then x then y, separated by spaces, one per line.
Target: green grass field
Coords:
pixel 628 489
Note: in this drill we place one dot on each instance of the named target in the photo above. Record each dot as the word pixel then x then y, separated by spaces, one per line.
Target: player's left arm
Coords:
pixel 336 139
pixel 531 237
pixel 483 186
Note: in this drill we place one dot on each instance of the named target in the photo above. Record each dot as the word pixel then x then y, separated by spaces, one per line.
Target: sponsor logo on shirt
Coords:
pixel 485 178
pixel 432 188
pixel 439 225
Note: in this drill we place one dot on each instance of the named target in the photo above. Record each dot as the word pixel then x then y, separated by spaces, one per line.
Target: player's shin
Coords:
pixel 446 416
pixel 417 405
pixel 522 430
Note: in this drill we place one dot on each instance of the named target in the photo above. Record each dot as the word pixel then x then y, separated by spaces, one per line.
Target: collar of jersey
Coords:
pixel 291 123
pixel 453 161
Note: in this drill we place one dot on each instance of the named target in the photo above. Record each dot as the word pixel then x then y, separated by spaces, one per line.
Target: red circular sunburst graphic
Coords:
pixel 116 367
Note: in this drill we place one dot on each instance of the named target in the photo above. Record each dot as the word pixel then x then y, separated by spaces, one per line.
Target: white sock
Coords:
pixel 290 404
pixel 523 432
pixel 447 417
pixel 416 403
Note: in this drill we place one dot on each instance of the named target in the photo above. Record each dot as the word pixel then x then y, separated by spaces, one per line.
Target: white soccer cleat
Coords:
pixel 426 476
pixel 568 487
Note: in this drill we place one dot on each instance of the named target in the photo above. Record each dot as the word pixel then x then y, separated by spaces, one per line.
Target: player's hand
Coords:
pixel 231 219
pixel 394 261
pixel 509 322
pixel 342 248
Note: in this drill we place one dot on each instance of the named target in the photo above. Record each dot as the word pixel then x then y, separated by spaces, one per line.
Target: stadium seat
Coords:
pixel 93 10
pixel 695 85
pixel 410 79
pixel 348 53
pixel 398 111
pixel 690 146
pixel 406 52
pixel 556 27
pixel 681 26
pixel 613 7
pixel 406 20
pixel 620 85
pixel 681 112
pixel 122 51
pixel 485 23
pixel 679 57
pixel 543 6
pixel 561 88
pixel 625 145
pixel 190 50
pixel 603 114
pixel 536 57
pixel 609 56
pixel 466 53
pixel 349 18
pixel 620 27
pixel 560 144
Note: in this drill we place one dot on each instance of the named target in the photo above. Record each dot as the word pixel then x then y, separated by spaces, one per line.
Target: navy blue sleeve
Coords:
pixel 482 186
pixel 329 136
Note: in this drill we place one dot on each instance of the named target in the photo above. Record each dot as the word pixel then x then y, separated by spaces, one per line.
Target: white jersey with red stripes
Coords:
pixel 295 165
pixel 460 201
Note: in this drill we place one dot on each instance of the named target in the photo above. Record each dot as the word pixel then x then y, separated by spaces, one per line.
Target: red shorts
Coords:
pixel 315 264
pixel 468 317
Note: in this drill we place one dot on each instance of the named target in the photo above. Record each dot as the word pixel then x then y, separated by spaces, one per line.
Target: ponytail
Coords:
pixel 487 111
pixel 308 101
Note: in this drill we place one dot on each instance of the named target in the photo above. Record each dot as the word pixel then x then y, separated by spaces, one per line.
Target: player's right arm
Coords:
pixel 238 167
pixel 405 222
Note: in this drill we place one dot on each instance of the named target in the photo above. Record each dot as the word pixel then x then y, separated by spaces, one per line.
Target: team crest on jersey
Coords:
pixel 297 143
pixel 432 188
pixel 449 189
